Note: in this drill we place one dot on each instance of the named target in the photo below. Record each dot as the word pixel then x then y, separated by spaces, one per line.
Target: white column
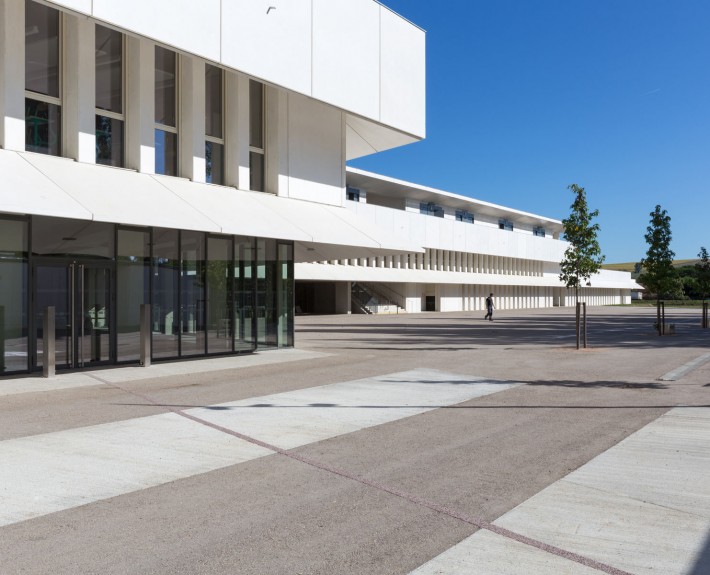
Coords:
pixel 276 111
pixel 79 83
pixel 236 131
pixel 191 132
pixel 12 75
pixel 140 104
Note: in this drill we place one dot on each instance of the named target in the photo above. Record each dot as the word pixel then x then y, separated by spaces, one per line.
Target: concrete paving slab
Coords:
pixel 485 553
pixel 50 472
pixel 641 507
pixel 295 418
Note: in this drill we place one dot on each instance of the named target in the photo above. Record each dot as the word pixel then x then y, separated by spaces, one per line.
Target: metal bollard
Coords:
pixel 49 363
pixel 145 348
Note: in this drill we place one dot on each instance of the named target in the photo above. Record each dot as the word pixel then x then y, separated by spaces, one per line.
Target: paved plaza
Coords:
pixel 425 444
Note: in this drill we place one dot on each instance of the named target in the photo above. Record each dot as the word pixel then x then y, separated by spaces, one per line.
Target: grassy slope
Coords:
pixel 629 267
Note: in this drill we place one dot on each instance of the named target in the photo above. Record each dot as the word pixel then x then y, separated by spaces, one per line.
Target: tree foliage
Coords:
pixel 583 258
pixel 658 275
pixel 702 269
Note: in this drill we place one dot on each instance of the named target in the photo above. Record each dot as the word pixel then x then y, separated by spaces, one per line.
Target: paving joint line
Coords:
pixel 412 498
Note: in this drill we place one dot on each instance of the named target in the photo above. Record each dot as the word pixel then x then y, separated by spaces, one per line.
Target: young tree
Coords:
pixel 583 258
pixel 659 276
pixel 703 273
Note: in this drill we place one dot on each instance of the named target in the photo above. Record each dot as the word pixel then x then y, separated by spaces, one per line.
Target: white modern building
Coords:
pixel 186 154
pixel 471 248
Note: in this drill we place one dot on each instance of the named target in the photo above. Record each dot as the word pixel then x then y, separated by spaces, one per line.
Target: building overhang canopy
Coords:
pixel 49 186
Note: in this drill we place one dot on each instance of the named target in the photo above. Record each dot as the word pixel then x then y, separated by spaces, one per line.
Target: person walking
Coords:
pixel 489 308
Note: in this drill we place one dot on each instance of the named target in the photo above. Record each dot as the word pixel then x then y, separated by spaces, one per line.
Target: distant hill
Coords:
pixel 629 267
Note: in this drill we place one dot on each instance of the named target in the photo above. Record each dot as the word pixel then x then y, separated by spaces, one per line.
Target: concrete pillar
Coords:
pixel 79 101
pixel 236 131
pixel 12 75
pixel 191 131
pixel 140 104
pixel 276 117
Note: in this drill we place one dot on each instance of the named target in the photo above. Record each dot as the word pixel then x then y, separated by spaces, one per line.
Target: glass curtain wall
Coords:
pixel 109 97
pixel 244 286
pixel 132 289
pixel 14 291
pixel 43 104
pixel 166 282
pixel 192 293
pixel 220 294
pixel 166 157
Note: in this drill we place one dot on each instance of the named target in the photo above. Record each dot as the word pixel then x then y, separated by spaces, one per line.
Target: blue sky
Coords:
pixel 525 97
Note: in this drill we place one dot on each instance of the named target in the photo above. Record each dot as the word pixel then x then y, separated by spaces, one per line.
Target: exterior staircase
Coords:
pixel 372 298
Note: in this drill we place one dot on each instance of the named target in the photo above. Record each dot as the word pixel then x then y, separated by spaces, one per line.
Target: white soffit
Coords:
pixel 47 185
pixel 235 211
pixel 121 196
pixel 364 137
pixel 25 190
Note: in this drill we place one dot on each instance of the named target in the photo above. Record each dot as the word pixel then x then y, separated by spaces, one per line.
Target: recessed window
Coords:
pixel 352 194
pixel 431 209
pixel 256 137
pixel 166 134
pixel 464 216
pixel 539 231
pixel 214 124
pixel 504 224
pixel 43 103
pixel 110 119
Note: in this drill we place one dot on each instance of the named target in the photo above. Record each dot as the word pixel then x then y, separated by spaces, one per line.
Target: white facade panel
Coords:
pixel 315 151
pixel 403 74
pixel 185 24
pixel 346 55
pixel 269 40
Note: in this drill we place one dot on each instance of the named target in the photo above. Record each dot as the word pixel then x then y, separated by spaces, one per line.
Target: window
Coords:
pixel 43 103
pixel 352 194
pixel 539 231
pixel 464 216
pixel 431 209
pixel 256 136
pixel 109 97
pixel 166 158
pixel 504 224
pixel 214 125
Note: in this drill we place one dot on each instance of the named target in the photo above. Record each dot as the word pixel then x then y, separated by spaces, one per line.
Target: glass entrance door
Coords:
pixel 81 295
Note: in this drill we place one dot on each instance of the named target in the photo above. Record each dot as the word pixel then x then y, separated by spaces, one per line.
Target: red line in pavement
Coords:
pixel 477 522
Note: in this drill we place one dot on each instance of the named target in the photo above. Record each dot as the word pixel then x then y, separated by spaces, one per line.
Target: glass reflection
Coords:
pixel 13 296
pixel 165 87
pixel 214 159
pixel 213 101
pixel 244 333
pixel 43 127
pixel 192 293
pixel 41 49
pixel 132 289
pixel 220 295
pixel 165 311
pixel 109 141
pixel 166 153
pixel 109 70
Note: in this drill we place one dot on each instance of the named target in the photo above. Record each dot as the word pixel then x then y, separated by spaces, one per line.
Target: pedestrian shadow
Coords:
pixel 702 563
